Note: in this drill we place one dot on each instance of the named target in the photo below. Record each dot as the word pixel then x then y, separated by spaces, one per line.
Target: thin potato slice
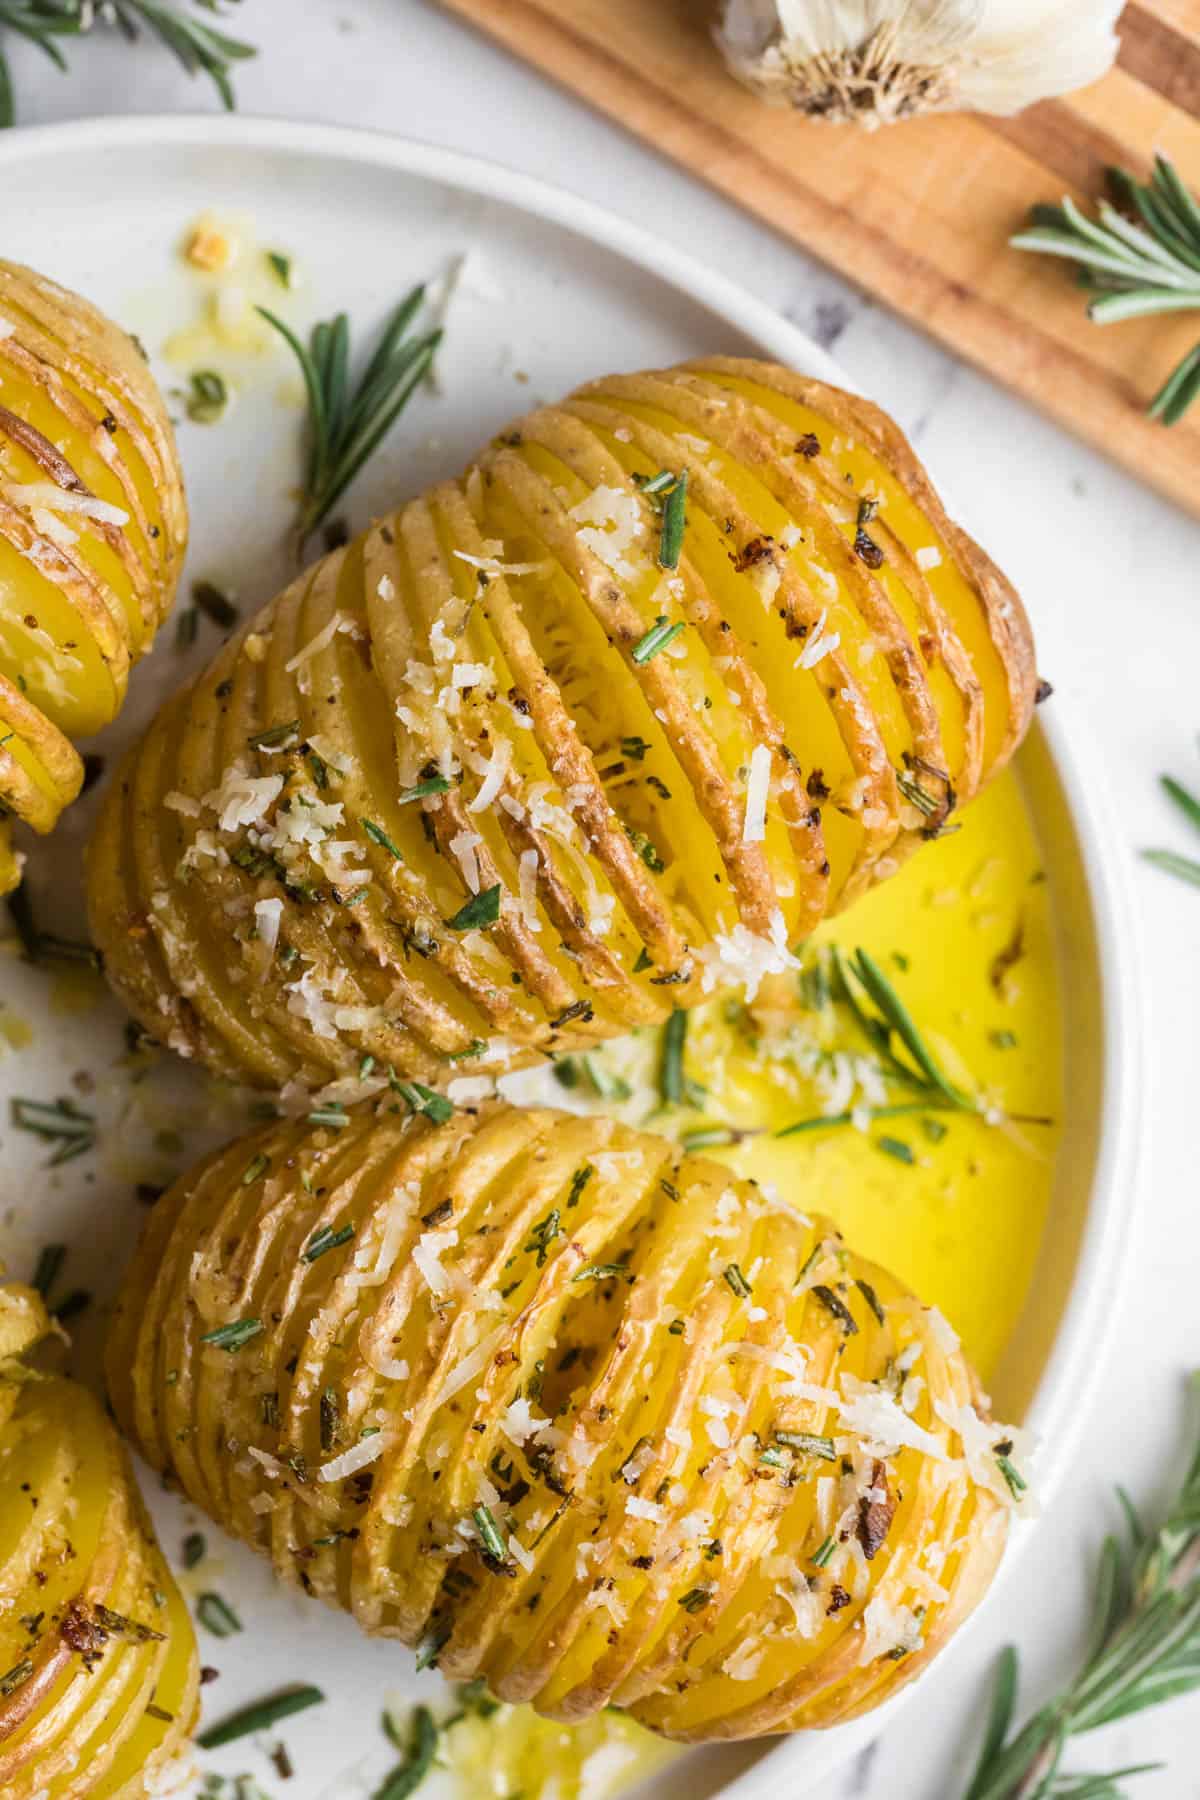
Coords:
pixel 494 781
pixel 568 1411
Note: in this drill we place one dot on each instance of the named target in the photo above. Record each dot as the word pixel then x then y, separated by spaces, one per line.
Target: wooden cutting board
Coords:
pixel 919 214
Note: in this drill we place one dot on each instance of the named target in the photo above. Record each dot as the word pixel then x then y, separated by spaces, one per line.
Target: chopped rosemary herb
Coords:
pixel 635 748
pixel 16 1677
pixel 668 491
pixel 379 836
pixel 423 790
pixel 646 850
pixel 489 1532
pixel 324 1239
pixel 195 1549
pixel 216 1615
pixel 479 912
pixel 208 397
pixel 274 736
pixel 543 1235
pixel 258 1165
pixel 215 605
pixel 656 639
pixel 737 1281
pixel 832 1304
pixel 809 1442
pixel 579 1181
pixel 329 1419
pixel 897 1148
pixel 432 1645
pixel 281 267
pixel 260 1716
pixel 670 1067
pixel 696 1599
pixel 674 518
pixel 332 1114
pixel 601 1272
pixel 233 1336
pixel 61 1123
pixel 823 1553
pixel 49 1266
pixel 711 1137
pixel 419 1752
pixel 346 424
pixel 421 1099
pixel 872 1299
pixel 1013 1477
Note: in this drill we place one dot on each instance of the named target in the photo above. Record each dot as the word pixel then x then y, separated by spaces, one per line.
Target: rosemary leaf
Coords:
pixel 260 1716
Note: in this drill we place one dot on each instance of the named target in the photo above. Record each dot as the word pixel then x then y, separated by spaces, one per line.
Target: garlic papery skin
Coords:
pixel 872 62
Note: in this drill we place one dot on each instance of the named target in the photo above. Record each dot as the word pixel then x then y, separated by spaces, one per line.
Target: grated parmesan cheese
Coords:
pixel 754 828
pixel 367 1450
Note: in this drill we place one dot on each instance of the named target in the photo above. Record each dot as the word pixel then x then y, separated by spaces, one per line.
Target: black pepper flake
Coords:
pixel 1042 692
pixel 867 550
pixel 875 1516
pixel 809 445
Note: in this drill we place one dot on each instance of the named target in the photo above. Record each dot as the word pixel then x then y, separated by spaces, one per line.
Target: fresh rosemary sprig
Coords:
pixel 347 424
pixel 201 49
pixel 1185 867
pixel 1141 256
pixel 1144 1648
pixel 860 984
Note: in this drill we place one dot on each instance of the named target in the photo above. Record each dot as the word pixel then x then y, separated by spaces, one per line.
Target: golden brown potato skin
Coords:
pixel 567 1410
pixel 93 528
pixel 92 1627
pixel 665 777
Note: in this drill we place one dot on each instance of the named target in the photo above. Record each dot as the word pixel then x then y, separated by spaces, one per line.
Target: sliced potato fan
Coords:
pixel 92 533
pixel 98 1668
pixel 565 743
pixel 567 1411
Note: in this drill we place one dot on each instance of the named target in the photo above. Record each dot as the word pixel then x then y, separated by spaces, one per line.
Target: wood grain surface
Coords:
pixel 919 214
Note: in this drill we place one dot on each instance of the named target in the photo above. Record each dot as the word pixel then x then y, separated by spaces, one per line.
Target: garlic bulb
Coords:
pixel 875 61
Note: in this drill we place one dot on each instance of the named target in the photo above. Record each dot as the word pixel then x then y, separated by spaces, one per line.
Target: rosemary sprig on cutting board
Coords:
pixel 1144 1648
pixel 1140 256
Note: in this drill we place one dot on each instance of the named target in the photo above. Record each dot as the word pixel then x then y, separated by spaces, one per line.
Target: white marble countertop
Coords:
pixel 1112 576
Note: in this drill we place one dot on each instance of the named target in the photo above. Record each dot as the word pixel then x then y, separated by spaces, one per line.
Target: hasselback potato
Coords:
pixel 93 528
pixel 568 1411
pixel 499 776
pixel 98 1669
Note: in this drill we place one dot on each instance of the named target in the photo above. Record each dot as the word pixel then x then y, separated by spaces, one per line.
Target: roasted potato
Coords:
pixel 500 778
pixel 100 1689
pixel 568 1411
pixel 93 527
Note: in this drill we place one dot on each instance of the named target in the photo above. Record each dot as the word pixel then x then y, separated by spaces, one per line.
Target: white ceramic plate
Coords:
pixel 556 291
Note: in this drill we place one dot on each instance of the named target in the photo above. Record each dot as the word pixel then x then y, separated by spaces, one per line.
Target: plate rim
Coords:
pixel 1061 1407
